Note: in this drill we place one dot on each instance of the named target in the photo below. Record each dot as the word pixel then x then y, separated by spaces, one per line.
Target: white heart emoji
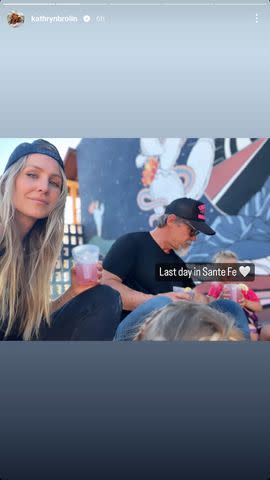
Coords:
pixel 244 270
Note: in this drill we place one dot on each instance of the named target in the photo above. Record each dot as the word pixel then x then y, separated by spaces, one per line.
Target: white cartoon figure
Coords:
pixel 97 210
pixel 164 180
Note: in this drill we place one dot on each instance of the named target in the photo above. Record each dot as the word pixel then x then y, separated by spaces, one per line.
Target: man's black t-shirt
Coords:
pixel 133 258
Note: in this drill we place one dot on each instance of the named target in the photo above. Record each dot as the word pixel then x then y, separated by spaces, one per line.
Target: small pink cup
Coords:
pixel 86 258
pixel 234 290
pixel 86 273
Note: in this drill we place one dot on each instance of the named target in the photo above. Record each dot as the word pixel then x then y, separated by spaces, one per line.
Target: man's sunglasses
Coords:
pixel 193 231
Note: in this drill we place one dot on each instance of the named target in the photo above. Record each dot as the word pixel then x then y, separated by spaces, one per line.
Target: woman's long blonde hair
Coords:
pixel 26 266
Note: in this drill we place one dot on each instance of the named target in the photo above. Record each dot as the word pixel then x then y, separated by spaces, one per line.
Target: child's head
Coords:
pixel 225 256
pixel 188 321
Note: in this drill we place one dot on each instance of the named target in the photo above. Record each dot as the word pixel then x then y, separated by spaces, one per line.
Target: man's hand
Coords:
pixel 176 296
pixel 200 297
pixel 76 288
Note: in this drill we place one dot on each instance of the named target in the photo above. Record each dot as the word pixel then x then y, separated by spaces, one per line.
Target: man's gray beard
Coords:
pixel 182 251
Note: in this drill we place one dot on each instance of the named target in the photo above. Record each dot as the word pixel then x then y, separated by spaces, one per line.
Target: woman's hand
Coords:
pixel 77 288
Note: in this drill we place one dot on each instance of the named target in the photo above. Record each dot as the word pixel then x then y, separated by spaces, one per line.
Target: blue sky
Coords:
pixel 7 145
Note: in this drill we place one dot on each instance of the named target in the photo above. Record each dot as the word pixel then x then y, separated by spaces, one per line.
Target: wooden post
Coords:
pixel 73 190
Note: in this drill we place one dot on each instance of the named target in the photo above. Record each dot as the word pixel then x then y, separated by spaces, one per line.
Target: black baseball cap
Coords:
pixel 38 146
pixel 191 210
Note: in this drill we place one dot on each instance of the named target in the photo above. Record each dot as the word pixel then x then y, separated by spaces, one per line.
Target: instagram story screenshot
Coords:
pixel 134 239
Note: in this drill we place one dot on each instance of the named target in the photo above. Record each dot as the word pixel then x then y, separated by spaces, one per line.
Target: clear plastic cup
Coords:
pixel 234 291
pixel 86 258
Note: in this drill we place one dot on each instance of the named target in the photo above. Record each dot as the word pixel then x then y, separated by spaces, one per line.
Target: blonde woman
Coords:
pixel 33 191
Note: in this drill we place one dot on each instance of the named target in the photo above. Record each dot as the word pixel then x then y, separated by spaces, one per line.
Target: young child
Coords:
pixel 246 297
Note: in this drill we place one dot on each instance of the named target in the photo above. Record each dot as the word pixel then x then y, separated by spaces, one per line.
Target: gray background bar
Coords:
pixel 158 410
pixel 142 71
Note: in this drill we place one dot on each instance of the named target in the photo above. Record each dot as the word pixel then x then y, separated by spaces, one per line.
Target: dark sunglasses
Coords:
pixel 193 231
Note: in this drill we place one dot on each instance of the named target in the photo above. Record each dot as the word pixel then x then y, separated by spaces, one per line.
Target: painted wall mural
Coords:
pixel 126 183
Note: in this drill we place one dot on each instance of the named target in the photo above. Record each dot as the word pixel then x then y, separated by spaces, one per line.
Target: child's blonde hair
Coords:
pixel 224 255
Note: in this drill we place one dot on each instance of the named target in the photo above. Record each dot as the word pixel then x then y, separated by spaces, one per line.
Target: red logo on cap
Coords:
pixel 201 215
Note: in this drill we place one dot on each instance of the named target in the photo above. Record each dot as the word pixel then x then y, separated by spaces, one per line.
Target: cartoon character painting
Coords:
pixel 232 177
pixel 164 179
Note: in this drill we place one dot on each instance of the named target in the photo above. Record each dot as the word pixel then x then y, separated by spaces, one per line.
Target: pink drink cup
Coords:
pixel 86 258
pixel 86 273
pixel 233 288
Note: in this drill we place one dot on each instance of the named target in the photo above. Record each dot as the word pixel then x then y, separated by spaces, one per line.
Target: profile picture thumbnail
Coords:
pixel 15 19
